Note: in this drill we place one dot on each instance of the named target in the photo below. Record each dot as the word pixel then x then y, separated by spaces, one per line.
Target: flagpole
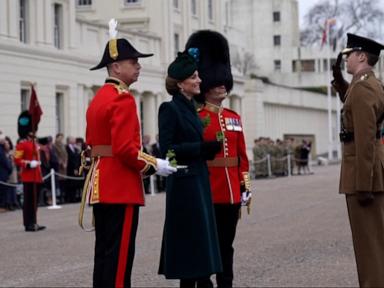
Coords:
pixel 338 126
pixel 329 98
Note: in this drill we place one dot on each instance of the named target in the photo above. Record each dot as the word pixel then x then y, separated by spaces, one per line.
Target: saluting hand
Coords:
pixel 336 69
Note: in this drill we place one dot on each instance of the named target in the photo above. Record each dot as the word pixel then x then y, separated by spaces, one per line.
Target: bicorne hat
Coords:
pixel 117 50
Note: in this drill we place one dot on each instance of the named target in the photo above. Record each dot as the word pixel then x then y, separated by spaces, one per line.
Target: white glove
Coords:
pixel 245 198
pixel 164 168
pixel 34 163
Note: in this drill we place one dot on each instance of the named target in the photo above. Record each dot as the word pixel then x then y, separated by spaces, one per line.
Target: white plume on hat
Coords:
pixel 112 28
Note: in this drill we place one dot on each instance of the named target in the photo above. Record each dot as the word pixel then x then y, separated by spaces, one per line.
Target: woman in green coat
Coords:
pixel 190 247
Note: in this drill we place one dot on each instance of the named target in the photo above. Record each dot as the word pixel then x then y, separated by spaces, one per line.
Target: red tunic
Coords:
pixel 27 150
pixel 226 181
pixel 112 120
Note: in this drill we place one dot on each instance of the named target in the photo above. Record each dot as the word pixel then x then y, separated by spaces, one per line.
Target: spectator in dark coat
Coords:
pixel 11 202
pixel 72 169
pixel 5 171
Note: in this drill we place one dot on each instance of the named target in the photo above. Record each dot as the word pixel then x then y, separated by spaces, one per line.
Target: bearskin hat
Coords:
pixel 24 124
pixel 214 63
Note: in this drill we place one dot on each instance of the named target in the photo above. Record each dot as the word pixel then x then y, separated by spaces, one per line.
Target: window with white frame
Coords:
pixel 23 21
pixel 193 7
pixel 210 9
pixel 130 2
pixel 277 40
pixel 58 25
pixel 59 109
pixel 176 39
pixel 277 65
pixel 25 95
pixel 82 3
pixel 276 16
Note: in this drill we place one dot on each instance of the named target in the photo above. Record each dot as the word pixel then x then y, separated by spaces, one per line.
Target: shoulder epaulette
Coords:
pixel 121 89
pixel 118 85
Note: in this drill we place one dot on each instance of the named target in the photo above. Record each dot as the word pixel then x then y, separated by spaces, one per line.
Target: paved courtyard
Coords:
pixel 296 236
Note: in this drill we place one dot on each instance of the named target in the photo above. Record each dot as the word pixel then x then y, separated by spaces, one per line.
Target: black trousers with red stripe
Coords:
pixel 31 195
pixel 115 231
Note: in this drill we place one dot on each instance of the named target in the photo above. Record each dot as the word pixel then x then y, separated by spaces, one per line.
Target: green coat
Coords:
pixel 190 247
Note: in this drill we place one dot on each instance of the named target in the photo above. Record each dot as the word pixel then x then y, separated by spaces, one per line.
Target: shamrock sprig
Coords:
pixel 206 121
pixel 220 136
pixel 171 156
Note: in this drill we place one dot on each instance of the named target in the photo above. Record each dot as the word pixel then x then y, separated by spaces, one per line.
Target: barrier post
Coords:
pixel 289 165
pixel 151 185
pixel 53 190
pixel 269 165
pixel 310 165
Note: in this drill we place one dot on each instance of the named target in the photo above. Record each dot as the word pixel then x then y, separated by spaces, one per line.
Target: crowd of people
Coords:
pixel 63 158
pixel 278 151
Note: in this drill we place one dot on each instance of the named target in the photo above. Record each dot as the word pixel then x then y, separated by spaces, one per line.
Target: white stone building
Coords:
pixel 53 43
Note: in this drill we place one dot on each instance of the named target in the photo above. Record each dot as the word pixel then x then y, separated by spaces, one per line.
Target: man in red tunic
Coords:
pixel 228 172
pixel 28 159
pixel 115 179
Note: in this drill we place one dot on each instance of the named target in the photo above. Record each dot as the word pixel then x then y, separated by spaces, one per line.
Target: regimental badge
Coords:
pixel 364 77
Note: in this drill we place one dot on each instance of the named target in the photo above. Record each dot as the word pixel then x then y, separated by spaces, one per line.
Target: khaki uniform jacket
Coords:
pixel 363 159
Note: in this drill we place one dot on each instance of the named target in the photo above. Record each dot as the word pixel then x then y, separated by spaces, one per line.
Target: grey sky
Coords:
pixel 305 5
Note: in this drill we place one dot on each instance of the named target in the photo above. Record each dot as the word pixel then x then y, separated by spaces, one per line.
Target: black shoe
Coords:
pixel 34 228
pixel 40 227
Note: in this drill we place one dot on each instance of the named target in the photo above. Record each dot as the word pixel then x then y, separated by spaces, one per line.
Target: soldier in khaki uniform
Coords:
pixel 362 175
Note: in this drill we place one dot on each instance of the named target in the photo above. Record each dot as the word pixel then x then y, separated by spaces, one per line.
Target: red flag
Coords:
pixel 34 109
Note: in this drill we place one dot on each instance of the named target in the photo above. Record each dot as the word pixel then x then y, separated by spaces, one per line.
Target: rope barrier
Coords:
pixel 10 184
pixel 44 178
pixel 261 160
pixel 290 159
pixel 279 159
pixel 69 177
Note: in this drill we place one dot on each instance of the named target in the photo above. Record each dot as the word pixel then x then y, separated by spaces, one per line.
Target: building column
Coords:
pixel 40 23
pixel 83 94
pixel 137 96
pixel 254 108
pixel 48 25
pixel 3 19
pixel 32 23
pixel 149 115
pixel 13 19
pixel 235 103
pixel 72 25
